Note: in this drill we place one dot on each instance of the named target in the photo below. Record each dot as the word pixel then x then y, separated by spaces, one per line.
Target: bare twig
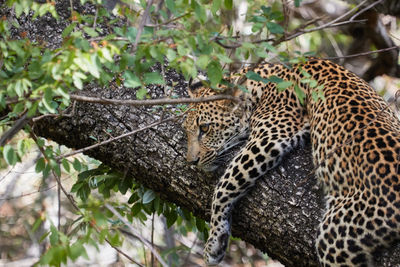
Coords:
pixel 152 240
pixel 122 253
pixel 141 24
pixel 70 198
pixel 365 53
pixel 338 18
pixel 168 21
pixel 33 192
pixel 95 18
pixel 152 102
pixel 59 207
pixel 299 31
pixel 135 232
pixel 18 125
pixel 365 9
pixel 72 8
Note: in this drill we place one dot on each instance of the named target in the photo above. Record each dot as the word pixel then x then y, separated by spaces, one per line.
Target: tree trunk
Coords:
pixel 279 216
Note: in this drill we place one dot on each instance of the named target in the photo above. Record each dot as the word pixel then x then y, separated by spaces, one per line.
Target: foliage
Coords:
pixel 112 47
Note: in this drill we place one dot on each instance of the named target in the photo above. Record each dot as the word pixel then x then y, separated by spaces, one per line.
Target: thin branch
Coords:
pixel 339 18
pixel 365 9
pixel 17 126
pixel 365 53
pixel 168 21
pixel 152 240
pixel 141 24
pixel 152 102
pixel 299 31
pixel 135 232
pixel 72 8
pixel 33 192
pixel 95 18
pixel 59 207
pixel 122 253
pixel 70 198
pixel 116 138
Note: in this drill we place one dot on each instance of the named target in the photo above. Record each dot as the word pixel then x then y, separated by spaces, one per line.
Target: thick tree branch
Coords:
pixel 151 102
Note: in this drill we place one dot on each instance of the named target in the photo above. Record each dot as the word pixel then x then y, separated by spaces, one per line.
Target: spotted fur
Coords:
pixel 355 146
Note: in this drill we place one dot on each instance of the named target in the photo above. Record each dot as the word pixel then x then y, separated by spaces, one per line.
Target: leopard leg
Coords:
pixel 260 154
pixel 348 234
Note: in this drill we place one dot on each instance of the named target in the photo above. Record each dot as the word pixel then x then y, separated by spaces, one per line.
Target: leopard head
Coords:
pixel 213 128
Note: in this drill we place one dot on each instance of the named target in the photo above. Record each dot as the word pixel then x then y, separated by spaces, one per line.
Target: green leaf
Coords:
pixel 153 78
pixel 47 99
pixel 283 85
pixel 9 155
pixel 300 94
pixel 260 52
pixel 224 59
pixel 93 67
pixel 40 165
pixel 148 196
pixel 297 3
pixel 171 218
pixel 131 80
pixel 68 29
pixel 214 72
pixel 200 224
pixel 200 13
pixel 141 93
pixel 171 6
pixel 54 235
pixel 171 54
pixel 77 78
pixel 65 165
pixel 136 208
pixel 77 165
pixel 114 240
pixel 76 250
pixel 21 147
pixel 274 28
pixel 40 142
pixel 256 77
pixel 228 4
pixel 90 31
pixel 56 167
pixel 131 34
pixel 216 5
pixel 76 187
pixel 36 224
pixel 275 79
pixel 202 61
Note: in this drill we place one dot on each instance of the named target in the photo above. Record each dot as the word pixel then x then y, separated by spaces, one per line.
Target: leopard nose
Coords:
pixel 194 162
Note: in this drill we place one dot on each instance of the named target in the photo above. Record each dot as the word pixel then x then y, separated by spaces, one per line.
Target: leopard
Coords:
pixel 355 146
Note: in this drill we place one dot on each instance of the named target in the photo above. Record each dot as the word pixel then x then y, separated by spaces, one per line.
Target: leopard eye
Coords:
pixel 204 128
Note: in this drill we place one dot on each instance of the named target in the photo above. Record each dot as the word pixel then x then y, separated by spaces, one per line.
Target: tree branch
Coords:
pixel 152 102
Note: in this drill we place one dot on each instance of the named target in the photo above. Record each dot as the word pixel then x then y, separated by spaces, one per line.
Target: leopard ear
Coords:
pixel 235 91
pixel 195 84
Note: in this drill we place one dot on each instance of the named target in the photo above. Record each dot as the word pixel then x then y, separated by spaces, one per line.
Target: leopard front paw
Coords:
pixel 215 248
